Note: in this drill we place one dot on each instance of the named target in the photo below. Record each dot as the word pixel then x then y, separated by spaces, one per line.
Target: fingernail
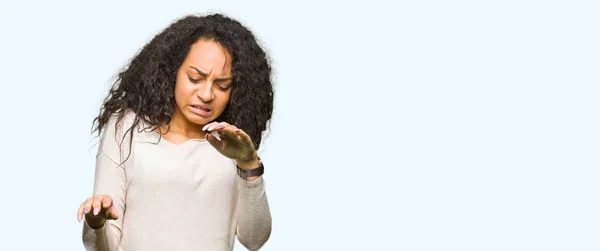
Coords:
pixel 106 204
pixel 96 211
pixel 216 134
pixel 221 127
pixel 204 128
pixel 86 210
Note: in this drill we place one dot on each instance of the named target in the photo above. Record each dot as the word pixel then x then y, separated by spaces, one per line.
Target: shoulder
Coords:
pixel 120 120
pixel 120 130
pixel 128 125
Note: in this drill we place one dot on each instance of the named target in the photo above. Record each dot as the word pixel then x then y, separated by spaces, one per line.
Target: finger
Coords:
pixel 213 125
pixel 216 134
pixel 216 143
pixel 229 136
pixel 107 202
pixel 228 129
pixel 225 124
pixel 97 205
pixel 217 126
pixel 87 205
pixel 85 208
pixel 112 213
pixel 238 134
pixel 80 211
pixel 208 125
pixel 222 129
pixel 237 131
pixel 219 145
pixel 222 125
pixel 234 129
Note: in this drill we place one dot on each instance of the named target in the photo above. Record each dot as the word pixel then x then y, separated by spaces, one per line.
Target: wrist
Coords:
pixel 250 170
pixel 248 164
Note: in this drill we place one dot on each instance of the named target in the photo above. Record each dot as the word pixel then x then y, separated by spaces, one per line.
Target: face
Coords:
pixel 203 85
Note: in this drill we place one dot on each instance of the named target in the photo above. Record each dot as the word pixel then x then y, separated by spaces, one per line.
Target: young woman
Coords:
pixel 177 167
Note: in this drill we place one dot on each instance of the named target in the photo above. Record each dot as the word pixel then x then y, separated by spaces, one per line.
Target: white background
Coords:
pixel 419 125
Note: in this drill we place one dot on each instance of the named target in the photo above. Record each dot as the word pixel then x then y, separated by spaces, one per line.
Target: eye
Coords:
pixel 222 88
pixel 193 80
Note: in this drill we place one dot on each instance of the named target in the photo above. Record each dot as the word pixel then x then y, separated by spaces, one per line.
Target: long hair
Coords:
pixel 146 86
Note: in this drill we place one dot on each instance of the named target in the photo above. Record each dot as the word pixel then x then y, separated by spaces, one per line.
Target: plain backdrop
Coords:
pixel 400 125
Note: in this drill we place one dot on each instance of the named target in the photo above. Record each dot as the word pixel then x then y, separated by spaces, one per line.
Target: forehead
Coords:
pixel 210 57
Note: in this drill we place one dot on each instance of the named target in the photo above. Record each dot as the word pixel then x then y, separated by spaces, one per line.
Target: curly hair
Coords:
pixel 146 86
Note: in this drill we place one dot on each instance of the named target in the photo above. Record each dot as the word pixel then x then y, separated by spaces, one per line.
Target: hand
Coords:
pixel 97 210
pixel 230 141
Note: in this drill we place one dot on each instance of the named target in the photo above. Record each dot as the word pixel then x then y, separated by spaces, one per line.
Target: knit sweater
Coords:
pixel 173 196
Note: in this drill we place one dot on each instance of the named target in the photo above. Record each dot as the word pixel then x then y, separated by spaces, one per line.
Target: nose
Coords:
pixel 205 92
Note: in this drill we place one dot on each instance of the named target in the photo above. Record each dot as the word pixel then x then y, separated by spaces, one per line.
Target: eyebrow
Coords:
pixel 206 75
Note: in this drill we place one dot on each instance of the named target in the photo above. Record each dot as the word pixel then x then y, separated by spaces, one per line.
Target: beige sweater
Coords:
pixel 174 197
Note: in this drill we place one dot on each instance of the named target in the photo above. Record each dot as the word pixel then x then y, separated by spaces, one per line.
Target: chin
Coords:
pixel 198 120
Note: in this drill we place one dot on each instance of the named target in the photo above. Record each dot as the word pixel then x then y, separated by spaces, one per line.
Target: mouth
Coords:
pixel 201 110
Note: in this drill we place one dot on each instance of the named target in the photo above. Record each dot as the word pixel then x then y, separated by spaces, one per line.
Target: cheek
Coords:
pixel 181 87
pixel 182 91
pixel 224 100
pixel 178 93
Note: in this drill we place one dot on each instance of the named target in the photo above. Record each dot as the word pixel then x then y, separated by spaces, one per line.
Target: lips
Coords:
pixel 201 110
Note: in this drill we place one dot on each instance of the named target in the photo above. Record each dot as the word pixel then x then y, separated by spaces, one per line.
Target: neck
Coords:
pixel 182 127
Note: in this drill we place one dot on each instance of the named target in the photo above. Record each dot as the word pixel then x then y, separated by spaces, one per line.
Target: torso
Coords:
pixel 181 195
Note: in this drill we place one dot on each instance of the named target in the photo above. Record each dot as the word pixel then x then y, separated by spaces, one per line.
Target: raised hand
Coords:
pixel 97 210
pixel 230 141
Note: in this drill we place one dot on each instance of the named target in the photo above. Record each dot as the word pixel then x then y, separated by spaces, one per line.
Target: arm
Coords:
pixel 252 208
pixel 109 180
pixel 253 214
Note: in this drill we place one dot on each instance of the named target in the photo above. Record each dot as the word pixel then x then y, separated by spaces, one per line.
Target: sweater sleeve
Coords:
pixel 110 180
pixel 253 214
